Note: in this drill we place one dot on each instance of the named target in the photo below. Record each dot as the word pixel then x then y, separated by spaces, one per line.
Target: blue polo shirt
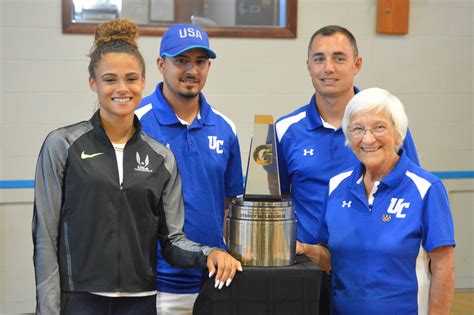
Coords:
pixel 379 251
pixel 309 154
pixel 208 156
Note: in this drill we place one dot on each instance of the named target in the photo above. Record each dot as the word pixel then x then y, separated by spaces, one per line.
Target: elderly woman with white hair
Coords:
pixel 387 231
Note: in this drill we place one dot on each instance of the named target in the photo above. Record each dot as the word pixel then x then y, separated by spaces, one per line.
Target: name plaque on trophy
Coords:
pixel 261 227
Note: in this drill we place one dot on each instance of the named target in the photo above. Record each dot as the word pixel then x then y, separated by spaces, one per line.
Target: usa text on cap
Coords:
pixel 182 37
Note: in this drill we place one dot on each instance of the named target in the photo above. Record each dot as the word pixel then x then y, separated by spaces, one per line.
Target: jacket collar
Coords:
pixel 99 128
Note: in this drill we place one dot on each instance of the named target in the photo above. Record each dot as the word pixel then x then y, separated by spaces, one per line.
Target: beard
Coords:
pixel 182 90
pixel 188 94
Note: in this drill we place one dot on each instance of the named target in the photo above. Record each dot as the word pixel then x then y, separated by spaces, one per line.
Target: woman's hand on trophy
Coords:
pixel 224 266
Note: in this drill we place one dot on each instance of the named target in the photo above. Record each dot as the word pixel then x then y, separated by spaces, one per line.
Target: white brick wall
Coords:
pixel 43 85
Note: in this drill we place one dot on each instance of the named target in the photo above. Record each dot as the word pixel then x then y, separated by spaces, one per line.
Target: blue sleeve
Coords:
pixel 437 222
pixel 410 149
pixel 283 170
pixel 233 174
pixel 323 233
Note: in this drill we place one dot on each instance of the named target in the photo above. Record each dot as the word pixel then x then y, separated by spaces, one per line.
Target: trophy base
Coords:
pixel 262 233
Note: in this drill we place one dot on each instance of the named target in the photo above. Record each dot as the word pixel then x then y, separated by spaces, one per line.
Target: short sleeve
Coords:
pixel 437 222
pixel 283 170
pixel 322 235
pixel 233 175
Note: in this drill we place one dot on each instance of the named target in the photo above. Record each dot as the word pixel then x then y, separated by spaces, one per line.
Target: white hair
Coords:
pixel 378 100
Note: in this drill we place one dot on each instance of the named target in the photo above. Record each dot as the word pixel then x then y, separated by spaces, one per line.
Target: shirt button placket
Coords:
pixel 191 141
pixel 335 147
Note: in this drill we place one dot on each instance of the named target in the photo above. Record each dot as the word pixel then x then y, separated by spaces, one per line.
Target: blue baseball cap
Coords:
pixel 182 37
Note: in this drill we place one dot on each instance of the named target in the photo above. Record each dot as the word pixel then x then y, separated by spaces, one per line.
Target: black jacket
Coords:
pixel 92 234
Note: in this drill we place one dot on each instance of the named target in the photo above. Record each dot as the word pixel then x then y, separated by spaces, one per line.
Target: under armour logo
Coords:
pixel 215 144
pixel 397 206
pixel 347 204
pixel 310 152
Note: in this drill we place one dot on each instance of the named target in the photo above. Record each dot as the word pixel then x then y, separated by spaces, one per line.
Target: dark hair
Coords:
pixel 333 29
pixel 117 36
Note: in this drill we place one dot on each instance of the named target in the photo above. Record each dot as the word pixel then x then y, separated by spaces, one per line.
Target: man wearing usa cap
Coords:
pixel 206 148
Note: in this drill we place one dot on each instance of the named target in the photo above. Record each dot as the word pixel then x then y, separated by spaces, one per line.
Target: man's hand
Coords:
pixel 299 248
pixel 226 267
pixel 318 254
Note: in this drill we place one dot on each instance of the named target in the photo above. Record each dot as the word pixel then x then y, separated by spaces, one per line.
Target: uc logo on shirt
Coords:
pixel 215 144
pixel 396 207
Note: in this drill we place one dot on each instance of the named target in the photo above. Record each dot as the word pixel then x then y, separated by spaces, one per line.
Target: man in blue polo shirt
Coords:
pixel 310 141
pixel 206 148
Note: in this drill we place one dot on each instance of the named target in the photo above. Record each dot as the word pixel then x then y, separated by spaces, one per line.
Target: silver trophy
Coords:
pixel 261 226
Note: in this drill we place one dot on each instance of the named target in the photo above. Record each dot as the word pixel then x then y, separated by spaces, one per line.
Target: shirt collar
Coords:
pixel 166 116
pixel 394 178
pixel 314 119
pixel 397 174
pixel 184 122
pixel 326 124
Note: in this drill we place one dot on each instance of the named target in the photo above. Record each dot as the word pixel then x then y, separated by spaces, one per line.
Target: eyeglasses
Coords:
pixel 359 131
pixel 183 63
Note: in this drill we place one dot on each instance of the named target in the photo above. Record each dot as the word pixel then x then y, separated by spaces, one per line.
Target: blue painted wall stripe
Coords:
pixel 27 183
pixel 15 184
pixel 454 175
